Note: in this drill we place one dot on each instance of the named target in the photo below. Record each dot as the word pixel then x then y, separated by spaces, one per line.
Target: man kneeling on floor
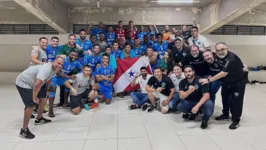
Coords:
pixel 194 97
pixel 81 88
pixel 159 87
pixel 140 98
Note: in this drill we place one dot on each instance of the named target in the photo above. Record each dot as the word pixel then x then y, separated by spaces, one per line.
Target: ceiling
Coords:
pixel 132 3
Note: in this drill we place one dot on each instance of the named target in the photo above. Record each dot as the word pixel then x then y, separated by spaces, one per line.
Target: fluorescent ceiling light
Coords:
pixel 175 1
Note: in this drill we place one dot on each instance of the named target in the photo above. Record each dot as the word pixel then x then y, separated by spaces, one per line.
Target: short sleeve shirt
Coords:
pixel 81 83
pixel 165 83
pixel 176 80
pixel 199 89
pixel 201 42
pixel 143 82
pixel 40 53
pixel 106 71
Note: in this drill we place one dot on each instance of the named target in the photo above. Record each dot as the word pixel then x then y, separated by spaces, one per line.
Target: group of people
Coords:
pixel 186 73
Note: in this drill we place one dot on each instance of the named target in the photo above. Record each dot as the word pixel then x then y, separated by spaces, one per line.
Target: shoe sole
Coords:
pixel 42 123
pixel 25 137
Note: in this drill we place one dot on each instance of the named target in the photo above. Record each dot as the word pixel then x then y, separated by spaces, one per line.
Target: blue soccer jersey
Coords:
pixel 51 53
pixel 106 71
pixel 97 31
pixel 116 53
pixel 140 35
pixel 110 38
pixel 92 61
pixel 71 66
pixel 160 48
pixel 140 50
pixel 86 45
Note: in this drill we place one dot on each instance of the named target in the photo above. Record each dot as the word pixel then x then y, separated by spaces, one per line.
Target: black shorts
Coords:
pixel 75 101
pixel 26 95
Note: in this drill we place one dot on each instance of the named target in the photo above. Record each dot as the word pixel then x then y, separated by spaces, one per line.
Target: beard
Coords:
pixel 189 76
pixel 144 75
pixel 83 37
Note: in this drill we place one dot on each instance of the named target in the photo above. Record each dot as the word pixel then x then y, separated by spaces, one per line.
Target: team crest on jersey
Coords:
pixel 184 54
pixel 163 85
pixel 199 43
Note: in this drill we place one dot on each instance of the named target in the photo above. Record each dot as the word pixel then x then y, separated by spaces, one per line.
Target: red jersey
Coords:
pixel 120 32
pixel 132 33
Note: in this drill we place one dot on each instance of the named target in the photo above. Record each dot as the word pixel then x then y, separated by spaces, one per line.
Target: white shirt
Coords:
pixel 142 83
pixel 201 42
pixel 176 81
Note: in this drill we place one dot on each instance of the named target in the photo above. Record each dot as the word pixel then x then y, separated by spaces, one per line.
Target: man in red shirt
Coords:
pixel 120 31
pixel 131 30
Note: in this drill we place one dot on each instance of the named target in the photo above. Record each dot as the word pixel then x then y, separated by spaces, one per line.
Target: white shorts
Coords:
pixel 162 98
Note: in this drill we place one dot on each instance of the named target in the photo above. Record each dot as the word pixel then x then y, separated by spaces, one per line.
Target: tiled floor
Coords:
pixel 114 127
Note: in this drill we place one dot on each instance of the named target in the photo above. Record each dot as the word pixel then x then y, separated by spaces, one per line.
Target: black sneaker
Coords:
pixel 185 116
pixel 132 106
pixel 204 124
pixel 222 117
pixel 151 108
pixel 25 133
pixel 32 116
pixel 234 125
pixel 144 107
pixel 192 117
pixel 42 121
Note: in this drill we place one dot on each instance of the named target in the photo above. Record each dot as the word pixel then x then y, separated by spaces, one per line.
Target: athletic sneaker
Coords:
pixel 32 116
pixel 192 117
pixel 25 133
pixel 204 124
pixel 132 106
pixel 144 107
pixel 94 105
pixel 234 125
pixel 151 108
pixel 185 116
pixel 222 117
pixel 42 121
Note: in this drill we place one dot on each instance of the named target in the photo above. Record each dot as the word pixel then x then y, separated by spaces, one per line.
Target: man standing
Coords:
pixel 160 46
pixel 120 31
pixel 105 76
pixel 84 44
pixel 70 67
pixel 81 87
pixel 151 30
pixel 116 52
pixel 96 31
pixel 131 31
pixel 141 33
pixel 38 54
pixel 198 39
pixel 166 33
pixel 110 36
pixel 94 59
pixel 30 87
pixel 161 87
pixel 196 60
pixel 70 46
pixel 140 98
pixel 52 49
pixel 101 42
pixel 138 48
pixel 186 33
pixel 194 97
pixel 179 51
pixel 234 83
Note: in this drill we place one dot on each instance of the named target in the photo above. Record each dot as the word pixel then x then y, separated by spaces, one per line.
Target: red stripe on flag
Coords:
pixel 122 66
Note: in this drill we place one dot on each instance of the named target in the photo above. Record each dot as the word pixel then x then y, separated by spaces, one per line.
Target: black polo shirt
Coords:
pixel 199 89
pixel 171 45
pixel 165 83
pixel 186 35
pixel 199 64
pixel 179 55
pixel 216 66
pixel 234 67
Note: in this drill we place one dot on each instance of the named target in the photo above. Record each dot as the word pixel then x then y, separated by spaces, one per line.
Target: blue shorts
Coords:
pixel 58 81
pixel 106 91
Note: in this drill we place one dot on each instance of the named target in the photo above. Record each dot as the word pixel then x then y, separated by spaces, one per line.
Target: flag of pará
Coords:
pixel 126 70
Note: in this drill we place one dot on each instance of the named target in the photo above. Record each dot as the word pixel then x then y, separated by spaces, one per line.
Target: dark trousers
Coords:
pixel 232 98
pixel 62 91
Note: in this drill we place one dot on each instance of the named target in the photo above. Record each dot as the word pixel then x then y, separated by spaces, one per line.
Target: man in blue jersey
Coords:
pixel 160 46
pixel 84 44
pixel 116 52
pixel 52 49
pixel 94 59
pixel 146 41
pixel 105 77
pixel 110 36
pixel 141 33
pixel 138 48
pixel 151 30
pixel 97 31
pixel 70 67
